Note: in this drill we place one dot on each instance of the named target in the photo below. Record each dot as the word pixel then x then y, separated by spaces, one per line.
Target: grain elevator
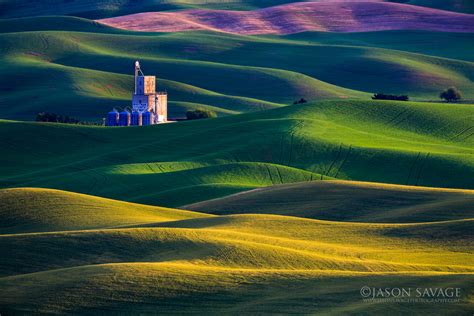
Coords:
pixel 148 106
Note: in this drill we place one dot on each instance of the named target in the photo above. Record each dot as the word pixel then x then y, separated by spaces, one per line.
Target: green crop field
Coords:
pixel 95 9
pixel 332 200
pixel 89 67
pixel 270 208
pixel 424 144
pixel 217 264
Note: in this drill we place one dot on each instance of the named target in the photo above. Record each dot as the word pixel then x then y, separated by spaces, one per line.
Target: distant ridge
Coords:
pixel 358 16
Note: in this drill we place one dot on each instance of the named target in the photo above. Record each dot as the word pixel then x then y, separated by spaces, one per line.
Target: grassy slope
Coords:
pixel 347 201
pixel 94 9
pixel 424 144
pixel 233 264
pixel 99 9
pixel 431 43
pixel 146 287
pixel 253 242
pixel 217 70
pixel 67 59
pixel 226 263
pixel 36 210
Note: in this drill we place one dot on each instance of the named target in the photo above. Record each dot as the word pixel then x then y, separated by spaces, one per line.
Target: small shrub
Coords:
pixel 300 101
pixel 200 114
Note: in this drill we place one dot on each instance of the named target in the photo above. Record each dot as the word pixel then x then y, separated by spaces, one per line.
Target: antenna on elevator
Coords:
pixel 137 72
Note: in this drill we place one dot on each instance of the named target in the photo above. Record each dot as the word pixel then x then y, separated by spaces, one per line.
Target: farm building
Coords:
pixel 148 106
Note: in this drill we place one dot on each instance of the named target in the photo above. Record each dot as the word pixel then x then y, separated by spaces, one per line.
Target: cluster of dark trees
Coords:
pixel 53 117
pixel 200 114
pixel 382 96
pixel 56 118
pixel 300 101
pixel 451 95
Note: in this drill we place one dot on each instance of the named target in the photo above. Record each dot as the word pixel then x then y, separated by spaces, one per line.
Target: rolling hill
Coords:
pixel 36 210
pixel 146 287
pixel 347 201
pixel 332 16
pixel 227 263
pixel 91 63
pixel 425 144
pixel 98 89
pixel 94 9
pixel 271 208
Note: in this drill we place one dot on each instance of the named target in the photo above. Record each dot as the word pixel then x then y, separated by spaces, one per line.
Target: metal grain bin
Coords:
pixel 146 118
pixel 136 118
pixel 124 118
pixel 112 118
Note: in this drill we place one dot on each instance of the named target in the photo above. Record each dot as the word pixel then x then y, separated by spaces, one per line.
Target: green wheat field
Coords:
pixel 270 208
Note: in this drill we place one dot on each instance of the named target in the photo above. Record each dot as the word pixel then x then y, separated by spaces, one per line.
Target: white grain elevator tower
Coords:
pixel 146 99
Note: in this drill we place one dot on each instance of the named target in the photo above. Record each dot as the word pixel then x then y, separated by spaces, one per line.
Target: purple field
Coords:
pixel 353 16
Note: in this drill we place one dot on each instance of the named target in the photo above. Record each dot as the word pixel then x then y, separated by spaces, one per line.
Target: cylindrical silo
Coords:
pixel 136 118
pixel 124 118
pixel 112 118
pixel 146 118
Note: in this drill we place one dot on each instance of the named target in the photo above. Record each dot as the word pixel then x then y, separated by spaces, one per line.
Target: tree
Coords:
pixel 200 114
pixel 52 117
pixel 451 95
